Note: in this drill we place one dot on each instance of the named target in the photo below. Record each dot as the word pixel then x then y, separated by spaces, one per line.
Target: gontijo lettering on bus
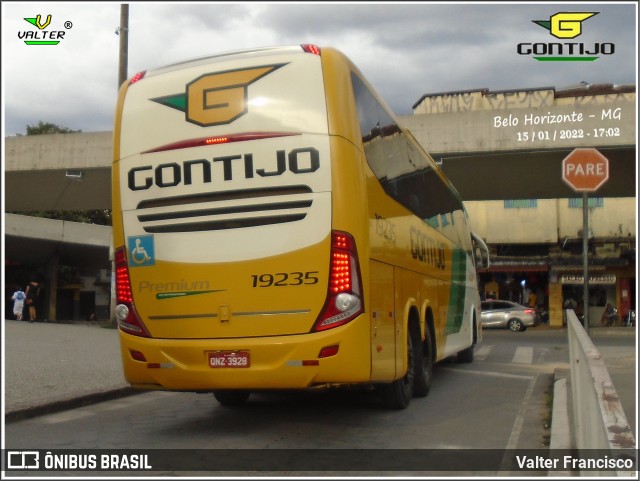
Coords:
pixel 297 161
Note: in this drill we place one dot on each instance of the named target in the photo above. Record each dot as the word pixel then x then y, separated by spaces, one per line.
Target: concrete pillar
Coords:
pixel 556 314
pixel 76 304
pixel 52 288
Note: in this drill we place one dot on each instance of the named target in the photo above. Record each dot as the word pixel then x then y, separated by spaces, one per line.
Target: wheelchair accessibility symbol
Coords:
pixel 141 251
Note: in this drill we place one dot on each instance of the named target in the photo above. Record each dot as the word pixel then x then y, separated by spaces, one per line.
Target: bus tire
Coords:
pixel 398 394
pixel 466 355
pixel 231 398
pixel 423 354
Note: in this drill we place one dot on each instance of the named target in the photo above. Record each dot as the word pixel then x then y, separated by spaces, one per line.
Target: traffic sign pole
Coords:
pixel 585 170
pixel 585 260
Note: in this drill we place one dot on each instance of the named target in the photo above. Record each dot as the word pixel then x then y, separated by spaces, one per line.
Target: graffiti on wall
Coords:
pixel 484 100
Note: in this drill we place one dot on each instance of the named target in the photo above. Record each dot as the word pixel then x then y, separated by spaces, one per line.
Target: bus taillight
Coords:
pixel 309 48
pixel 126 314
pixel 344 294
pixel 222 139
pixel 137 77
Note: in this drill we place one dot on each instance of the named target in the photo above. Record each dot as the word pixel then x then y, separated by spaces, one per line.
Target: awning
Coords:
pixel 516 268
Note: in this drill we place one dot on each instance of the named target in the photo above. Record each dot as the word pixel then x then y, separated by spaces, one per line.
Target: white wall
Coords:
pixel 551 221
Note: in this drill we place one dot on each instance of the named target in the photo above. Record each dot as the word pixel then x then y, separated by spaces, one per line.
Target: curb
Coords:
pixel 65 404
pixel 560 426
pixel 560 438
pixel 561 416
pixel 613 331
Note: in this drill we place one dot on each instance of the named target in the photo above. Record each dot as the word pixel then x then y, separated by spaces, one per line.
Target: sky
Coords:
pixel 405 49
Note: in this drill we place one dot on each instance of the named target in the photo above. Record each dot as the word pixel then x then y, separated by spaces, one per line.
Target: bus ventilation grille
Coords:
pixel 225 210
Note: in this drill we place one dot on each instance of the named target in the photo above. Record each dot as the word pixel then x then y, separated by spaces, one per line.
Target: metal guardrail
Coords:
pixel 599 421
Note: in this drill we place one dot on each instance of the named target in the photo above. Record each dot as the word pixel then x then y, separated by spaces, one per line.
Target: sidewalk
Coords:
pixel 51 367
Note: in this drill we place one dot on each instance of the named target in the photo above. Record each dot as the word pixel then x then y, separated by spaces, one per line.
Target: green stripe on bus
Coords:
pixel 457 290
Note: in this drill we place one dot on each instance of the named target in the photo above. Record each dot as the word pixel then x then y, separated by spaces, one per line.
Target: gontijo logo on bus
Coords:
pixel 217 98
pixel 565 26
pixel 42 36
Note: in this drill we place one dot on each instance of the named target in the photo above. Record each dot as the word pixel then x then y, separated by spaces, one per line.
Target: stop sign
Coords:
pixel 585 170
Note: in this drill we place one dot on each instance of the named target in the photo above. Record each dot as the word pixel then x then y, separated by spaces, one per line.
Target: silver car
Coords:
pixel 506 314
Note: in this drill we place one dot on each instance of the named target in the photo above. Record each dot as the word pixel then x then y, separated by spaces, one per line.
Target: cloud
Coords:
pixel 405 49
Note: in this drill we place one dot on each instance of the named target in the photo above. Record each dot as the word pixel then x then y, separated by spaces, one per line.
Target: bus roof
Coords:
pixel 253 52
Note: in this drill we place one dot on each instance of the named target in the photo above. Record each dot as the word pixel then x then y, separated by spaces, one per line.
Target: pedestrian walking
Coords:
pixel 32 293
pixel 532 300
pixel 18 298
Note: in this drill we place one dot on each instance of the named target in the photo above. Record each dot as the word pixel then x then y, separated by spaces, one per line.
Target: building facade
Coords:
pixel 533 225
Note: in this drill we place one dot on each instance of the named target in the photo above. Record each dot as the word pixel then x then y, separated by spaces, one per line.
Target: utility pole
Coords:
pixel 585 259
pixel 123 32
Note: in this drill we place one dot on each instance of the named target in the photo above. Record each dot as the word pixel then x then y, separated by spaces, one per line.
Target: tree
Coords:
pixel 98 216
pixel 48 128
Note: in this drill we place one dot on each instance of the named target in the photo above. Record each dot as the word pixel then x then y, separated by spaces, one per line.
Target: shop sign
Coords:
pixel 593 280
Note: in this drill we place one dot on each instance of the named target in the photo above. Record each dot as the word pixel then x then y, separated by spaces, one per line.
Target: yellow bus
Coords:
pixel 276 228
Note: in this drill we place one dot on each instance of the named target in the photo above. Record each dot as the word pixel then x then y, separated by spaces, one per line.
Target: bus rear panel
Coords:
pixel 224 179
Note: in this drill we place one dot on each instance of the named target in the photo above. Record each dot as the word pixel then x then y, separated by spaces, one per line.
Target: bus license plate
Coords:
pixel 234 359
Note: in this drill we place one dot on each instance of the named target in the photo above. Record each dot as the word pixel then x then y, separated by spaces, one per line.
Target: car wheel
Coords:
pixel 515 325
pixel 231 398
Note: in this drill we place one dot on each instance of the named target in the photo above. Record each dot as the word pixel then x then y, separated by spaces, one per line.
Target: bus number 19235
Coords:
pixel 282 279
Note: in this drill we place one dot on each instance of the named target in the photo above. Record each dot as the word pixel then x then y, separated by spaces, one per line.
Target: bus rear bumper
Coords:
pixel 283 362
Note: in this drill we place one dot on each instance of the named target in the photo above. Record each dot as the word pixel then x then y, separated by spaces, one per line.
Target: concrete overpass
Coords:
pixel 492 145
pixel 510 144
pixel 39 239
pixel 68 257
pixel 58 172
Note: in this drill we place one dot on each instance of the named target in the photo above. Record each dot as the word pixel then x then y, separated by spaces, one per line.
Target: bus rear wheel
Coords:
pixel 466 355
pixel 231 398
pixel 398 394
pixel 423 354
